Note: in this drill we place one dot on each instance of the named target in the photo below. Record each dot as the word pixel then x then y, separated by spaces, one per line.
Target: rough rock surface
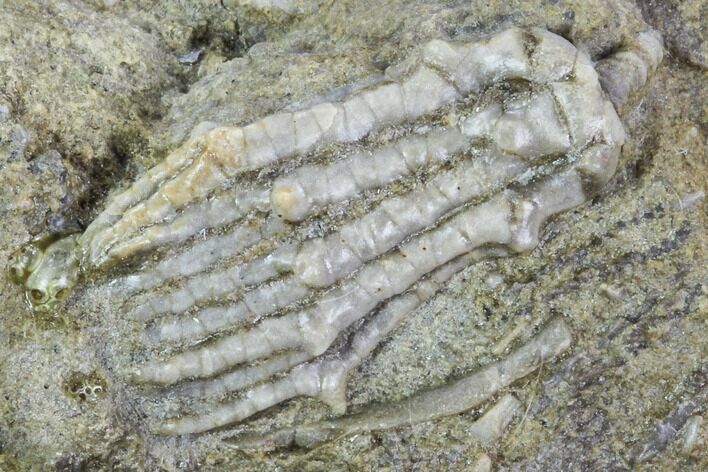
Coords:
pixel 627 272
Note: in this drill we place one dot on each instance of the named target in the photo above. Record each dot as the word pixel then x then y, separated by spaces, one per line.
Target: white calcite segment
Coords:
pixel 425 92
pixel 259 149
pixel 584 73
pixel 613 132
pixel 448 56
pixel 473 66
pixel 386 102
pixel 492 424
pixel 359 118
pixel 650 46
pixel 503 57
pixel 599 162
pixel 307 130
pixel 553 57
pixel 584 111
pixel 328 116
pixel 280 128
pixel 481 124
pixel 553 195
pixel 529 127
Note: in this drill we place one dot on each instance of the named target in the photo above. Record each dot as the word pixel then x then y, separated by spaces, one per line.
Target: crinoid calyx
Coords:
pixel 264 262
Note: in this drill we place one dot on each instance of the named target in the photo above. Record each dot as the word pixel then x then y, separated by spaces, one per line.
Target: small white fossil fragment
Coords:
pixel 692 430
pixel 482 464
pixel 490 427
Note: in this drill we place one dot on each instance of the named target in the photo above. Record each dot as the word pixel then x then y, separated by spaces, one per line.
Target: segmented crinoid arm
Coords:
pixel 626 71
pixel 458 396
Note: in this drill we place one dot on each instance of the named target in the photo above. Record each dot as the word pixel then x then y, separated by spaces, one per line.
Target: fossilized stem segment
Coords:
pixel 230 151
pixel 327 378
pixel 220 283
pixel 333 373
pixel 210 320
pixel 528 128
pixel 141 189
pixel 221 355
pixel 456 397
pixel 493 423
pixel 322 262
pixel 200 256
pixel 471 66
pixel 242 378
pixel 485 430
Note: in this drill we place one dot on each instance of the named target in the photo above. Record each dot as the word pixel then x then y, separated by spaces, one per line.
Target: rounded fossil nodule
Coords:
pixel 244 281
pixel 48 268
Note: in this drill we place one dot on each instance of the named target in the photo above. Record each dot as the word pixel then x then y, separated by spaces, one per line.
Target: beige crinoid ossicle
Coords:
pixel 247 256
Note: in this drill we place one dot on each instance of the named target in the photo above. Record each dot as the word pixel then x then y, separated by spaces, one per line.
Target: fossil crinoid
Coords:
pixel 247 257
